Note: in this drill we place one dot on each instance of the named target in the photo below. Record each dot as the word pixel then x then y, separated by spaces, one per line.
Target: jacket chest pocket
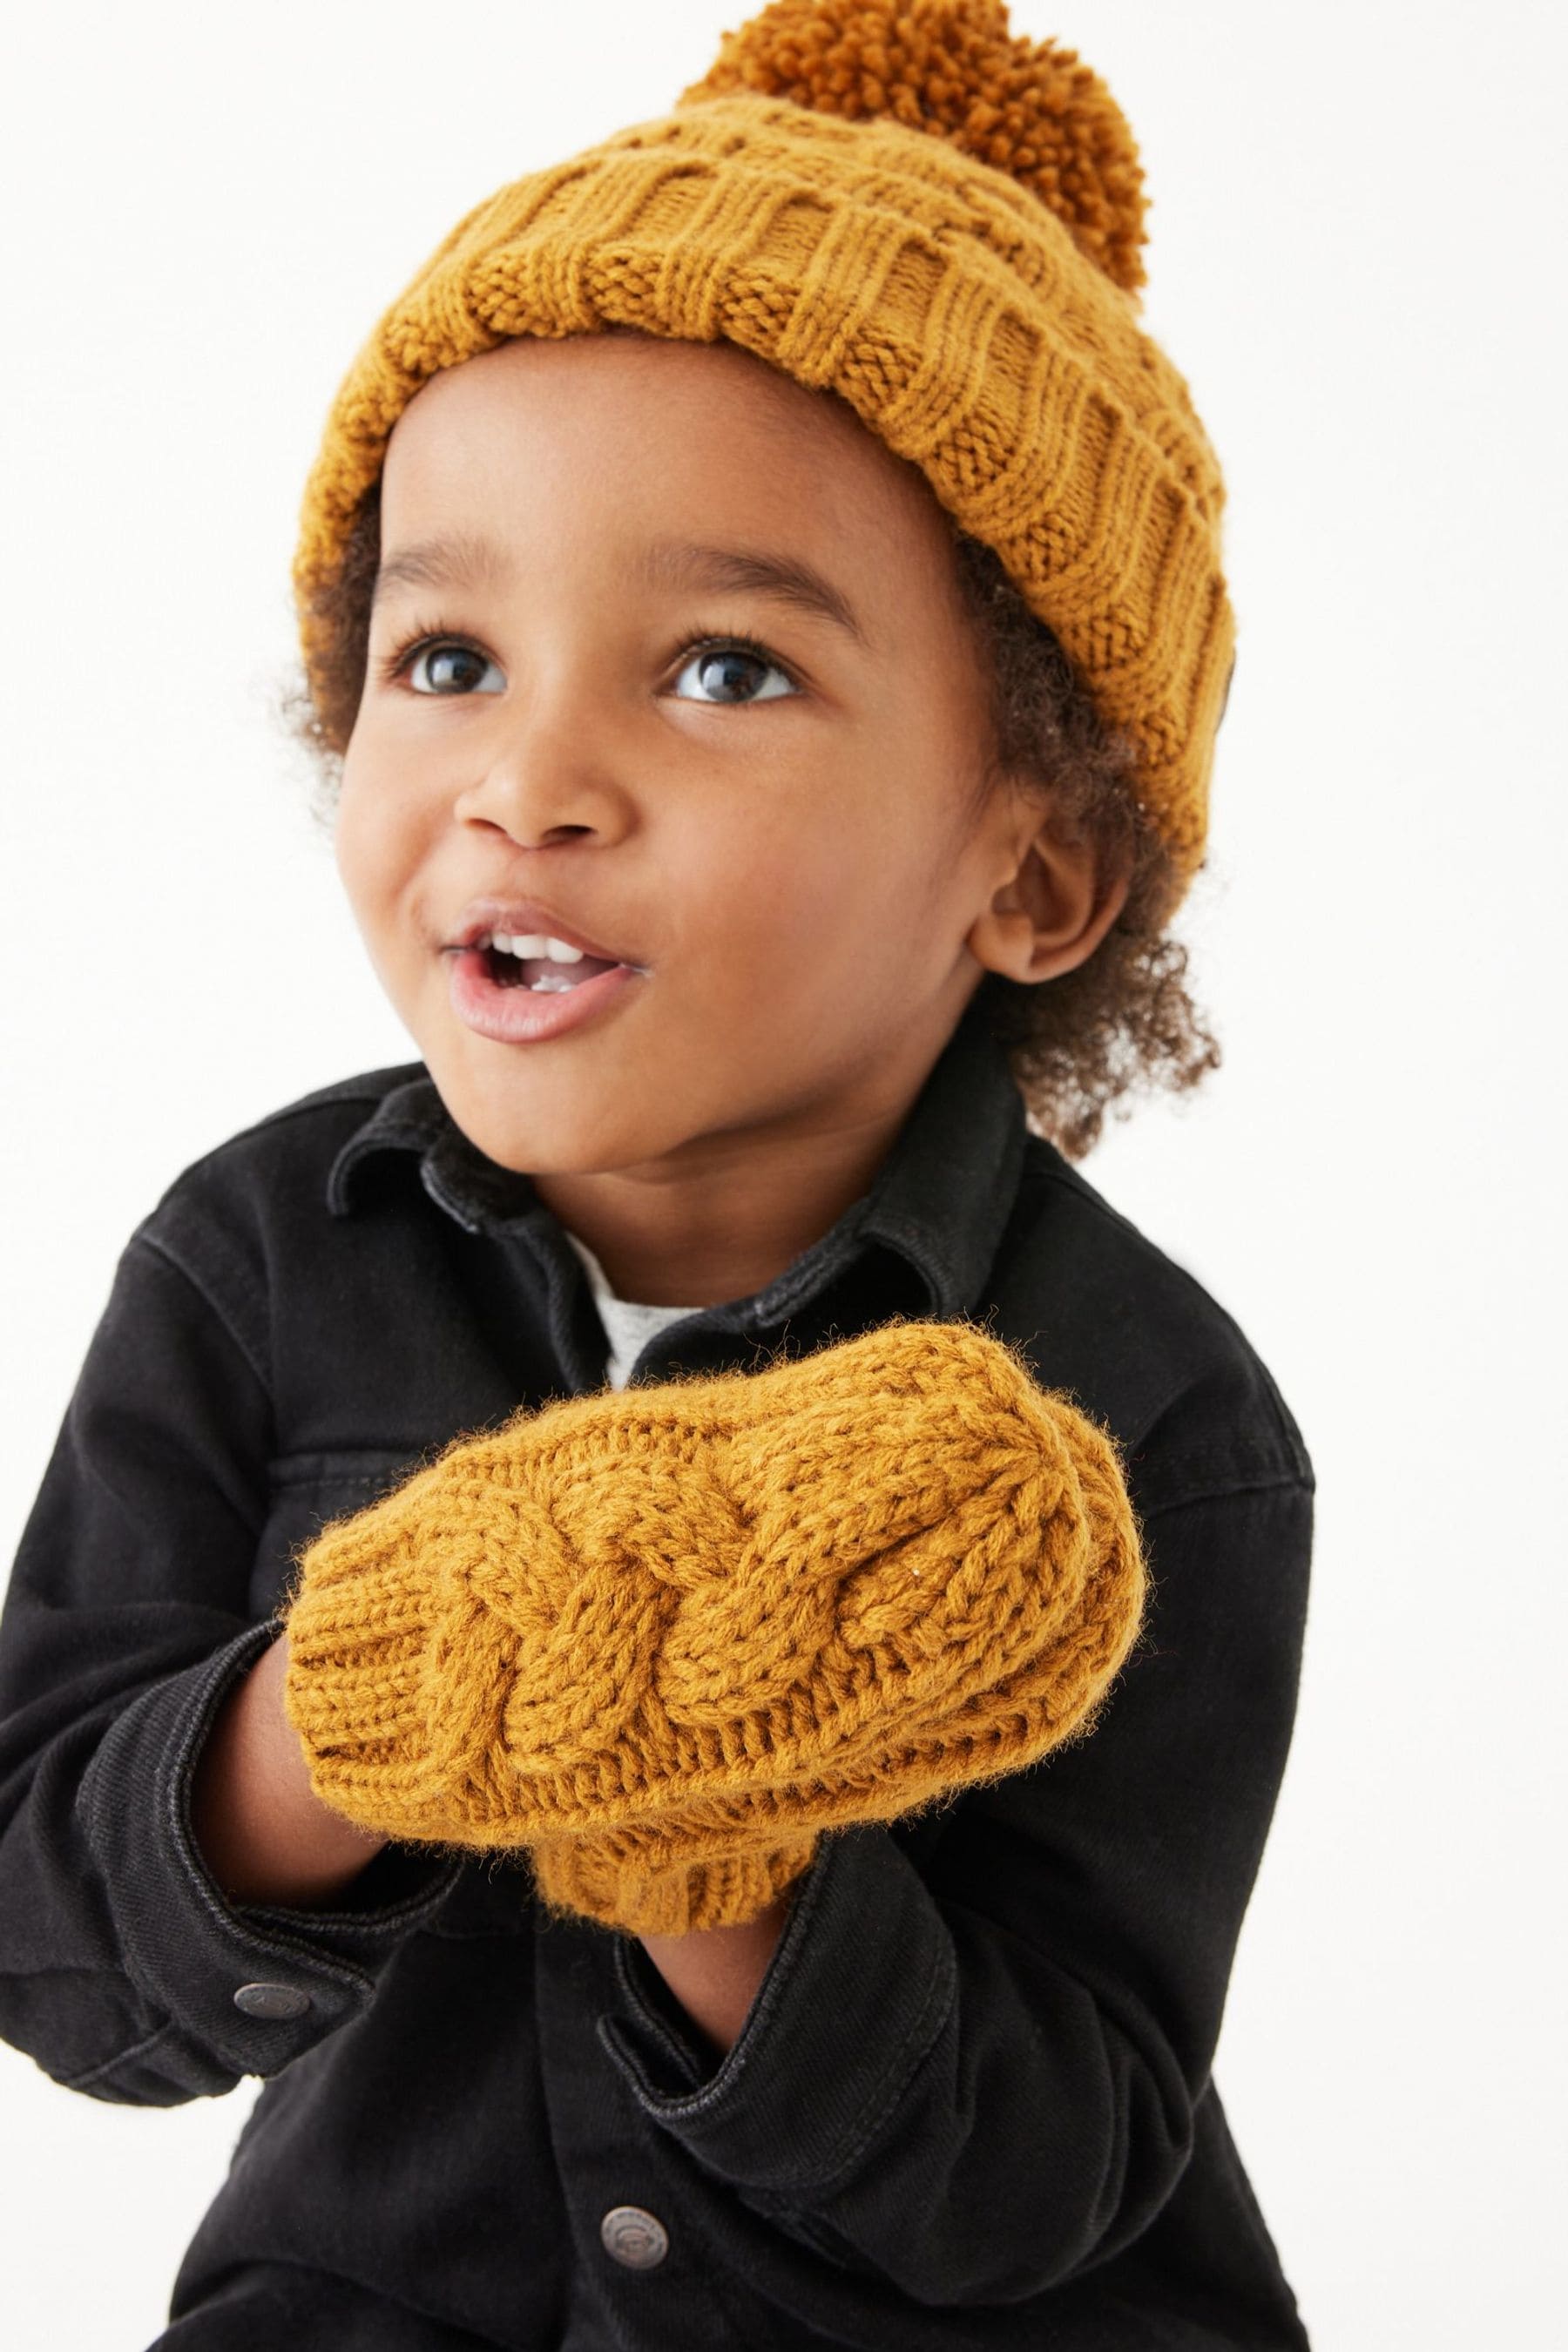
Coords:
pixel 308 1489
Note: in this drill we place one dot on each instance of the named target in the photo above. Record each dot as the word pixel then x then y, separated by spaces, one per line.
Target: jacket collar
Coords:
pixel 940 1200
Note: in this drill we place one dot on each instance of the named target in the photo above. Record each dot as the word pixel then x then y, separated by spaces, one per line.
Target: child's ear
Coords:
pixel 1052 912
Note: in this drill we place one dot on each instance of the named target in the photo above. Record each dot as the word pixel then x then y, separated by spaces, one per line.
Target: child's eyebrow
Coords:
pixel 788 578
pixel 452 559
pixel 456 559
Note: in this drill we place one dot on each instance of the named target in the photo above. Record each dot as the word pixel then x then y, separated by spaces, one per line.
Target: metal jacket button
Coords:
pixel 272 2000
pixel 635 2236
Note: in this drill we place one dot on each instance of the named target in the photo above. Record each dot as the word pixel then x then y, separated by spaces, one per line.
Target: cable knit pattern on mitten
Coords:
pixel 665 1637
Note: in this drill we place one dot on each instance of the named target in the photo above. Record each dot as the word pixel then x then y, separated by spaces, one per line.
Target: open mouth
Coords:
pixel 541 974
pixel 522 999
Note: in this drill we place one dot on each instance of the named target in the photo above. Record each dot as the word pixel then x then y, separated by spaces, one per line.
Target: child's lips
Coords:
pixel 517 1015
pixel 484 919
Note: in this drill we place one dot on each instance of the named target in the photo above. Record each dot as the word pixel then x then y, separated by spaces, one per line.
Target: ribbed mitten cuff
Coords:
pixel 665 1888
pixel 686 1626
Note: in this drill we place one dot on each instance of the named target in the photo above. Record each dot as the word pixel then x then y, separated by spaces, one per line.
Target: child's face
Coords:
pixel 788 842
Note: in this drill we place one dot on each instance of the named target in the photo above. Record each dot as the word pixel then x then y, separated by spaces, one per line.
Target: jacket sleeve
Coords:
pixel 126 1621
pixel 974 2075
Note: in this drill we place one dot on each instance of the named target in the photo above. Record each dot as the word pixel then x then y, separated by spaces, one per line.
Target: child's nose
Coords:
pixel 542 768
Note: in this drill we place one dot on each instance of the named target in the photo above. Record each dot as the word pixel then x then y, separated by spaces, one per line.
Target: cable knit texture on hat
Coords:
pixel 939 223
pixel 950 67
pixel 667 1637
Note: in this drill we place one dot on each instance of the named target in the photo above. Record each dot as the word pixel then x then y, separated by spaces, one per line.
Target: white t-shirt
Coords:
pixel 629 1324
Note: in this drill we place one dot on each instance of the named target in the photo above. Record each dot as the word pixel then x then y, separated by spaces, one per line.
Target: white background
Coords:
pixel 1356 258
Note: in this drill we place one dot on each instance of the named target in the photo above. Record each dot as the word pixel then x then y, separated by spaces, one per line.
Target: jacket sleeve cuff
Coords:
pixel 246 1987
pixel 832 2039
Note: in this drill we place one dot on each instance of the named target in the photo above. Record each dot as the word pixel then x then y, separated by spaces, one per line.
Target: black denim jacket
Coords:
pixel 972 2103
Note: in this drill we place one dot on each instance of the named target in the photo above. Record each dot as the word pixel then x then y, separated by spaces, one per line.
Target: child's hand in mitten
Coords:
pixel 664 1637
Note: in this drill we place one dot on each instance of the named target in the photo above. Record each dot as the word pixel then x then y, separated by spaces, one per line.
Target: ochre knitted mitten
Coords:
pixel 663 1637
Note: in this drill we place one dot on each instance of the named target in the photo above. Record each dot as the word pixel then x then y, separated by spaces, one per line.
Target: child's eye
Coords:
pixel 448 666
pixel 733 670
pixel 728 666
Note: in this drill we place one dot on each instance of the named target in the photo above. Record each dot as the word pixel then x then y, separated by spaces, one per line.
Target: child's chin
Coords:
pixel 542 1123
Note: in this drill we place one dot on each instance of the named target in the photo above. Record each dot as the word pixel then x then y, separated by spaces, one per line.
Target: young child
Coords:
pixel 661 1616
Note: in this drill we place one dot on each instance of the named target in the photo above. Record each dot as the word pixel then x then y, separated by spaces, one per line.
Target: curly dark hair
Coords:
pixel 1123 1022
pixel 1079 1043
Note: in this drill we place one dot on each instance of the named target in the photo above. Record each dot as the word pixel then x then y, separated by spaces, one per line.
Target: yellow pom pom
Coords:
pixel 952 67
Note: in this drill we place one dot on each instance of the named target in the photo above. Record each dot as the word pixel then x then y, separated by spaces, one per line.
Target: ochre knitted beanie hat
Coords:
pixel 665 1637
pixel 897 200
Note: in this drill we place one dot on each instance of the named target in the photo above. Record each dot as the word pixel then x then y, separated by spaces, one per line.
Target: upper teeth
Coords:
pixel 529 944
